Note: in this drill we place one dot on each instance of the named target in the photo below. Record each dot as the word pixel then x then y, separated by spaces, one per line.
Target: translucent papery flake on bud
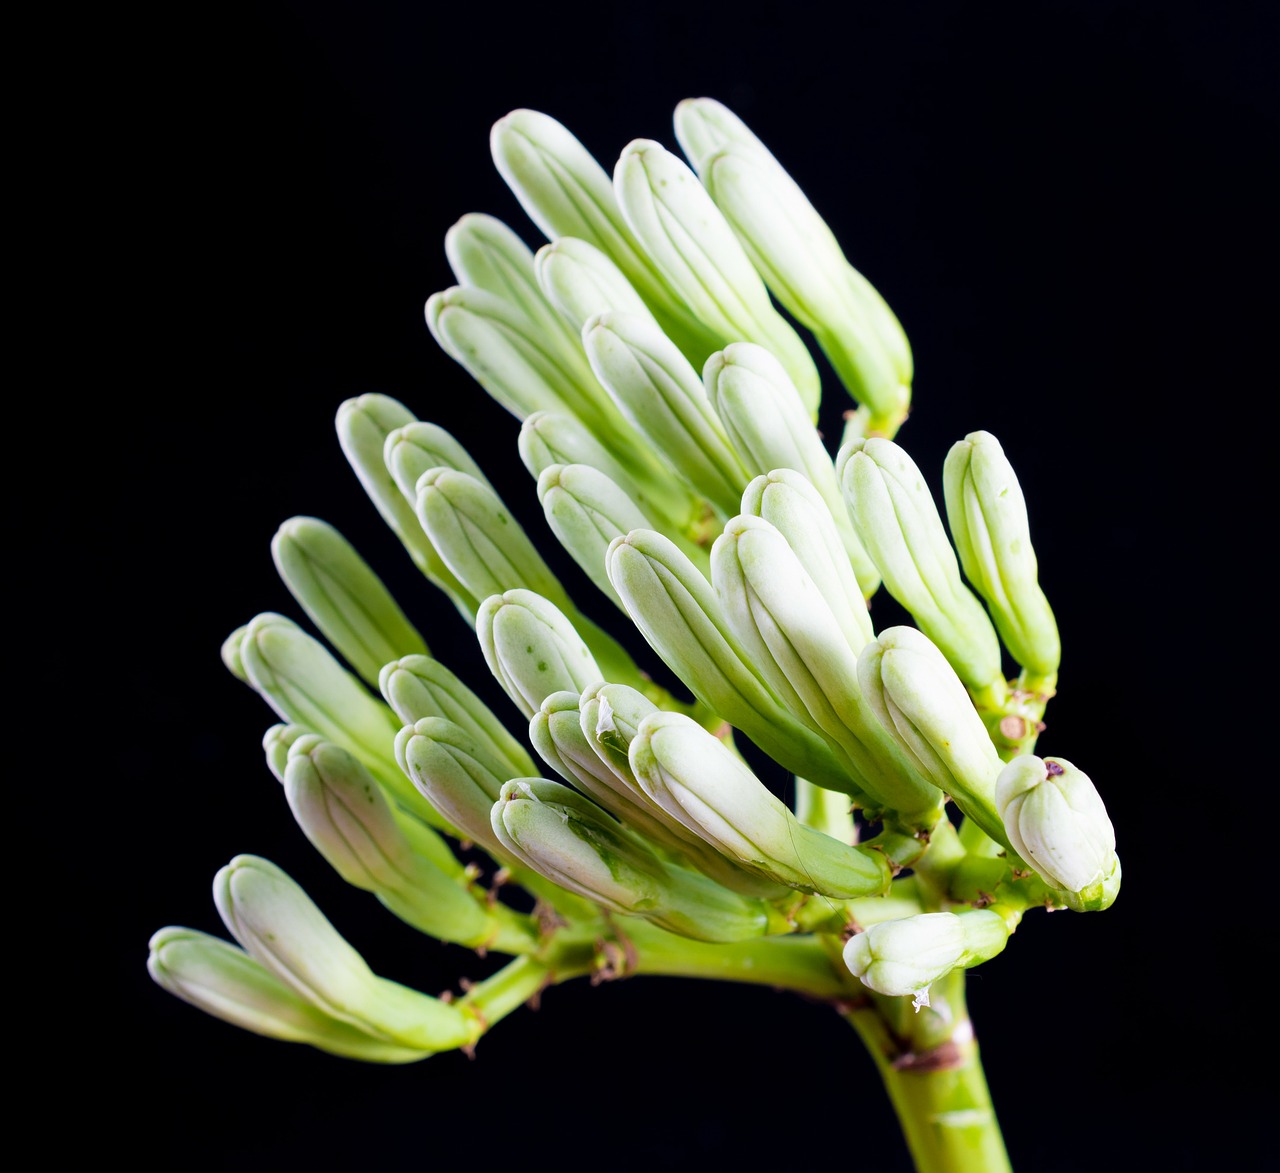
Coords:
pixel 754 397
pixel 1057 822
pixel 988 517
pixel 227 983
pixel 902 958
pixel 781 618
pixel 416 448
pixel 661 395
pixel 280 927
pixel 418 686
pixel 345 599
pixel 693 776
pixel 702 259
pixel 532 649
pixel 676 610
pixel 568 839
pixel 363 425
pixel 899 526
pixel 792 505
pixel 922 702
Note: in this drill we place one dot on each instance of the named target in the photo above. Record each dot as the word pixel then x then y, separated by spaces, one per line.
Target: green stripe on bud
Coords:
pixel 696 250
pixel 676 610
pixel 363 425
pixel 753 395
pixel 345 599
pixel 661 395
pixel 899 526
pixel 279 926
pixel 227 983
pixel 693 776
pixel 1057 822
pixel 574 843
pixel 902 958
pixel 418 686
pixel 988 517
pixel 532 649
pixel 921 701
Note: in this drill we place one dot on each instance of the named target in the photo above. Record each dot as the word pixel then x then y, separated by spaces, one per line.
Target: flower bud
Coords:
pixel 416 448
pixel 905 957
pixel 276 743
pixel 581 281
pixel 1056 820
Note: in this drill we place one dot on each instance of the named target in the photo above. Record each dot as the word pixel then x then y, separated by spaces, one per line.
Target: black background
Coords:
pixel 1070 207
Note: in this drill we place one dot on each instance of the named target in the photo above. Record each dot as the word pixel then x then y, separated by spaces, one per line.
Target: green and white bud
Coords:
pixel 699 781
pixel 417 448
pixel 792 505
pixel 661 395
pixel 702 259
pixel 280 927
pixel 571 841
pixel 1057 822
pixel 566 193
pixel 230 652
pixel 276 743
pixel 899 526
pixel 586 511
pixel 345 599
pixel 704 126
pixel 581 281
pixel 988 517
pixel 227 983
pixel 921 701
pixel 676 610
pixel 901 958
pixel 782 620
pixel 532 649
pixel 418 686
pixel 753 395
pixel 363 425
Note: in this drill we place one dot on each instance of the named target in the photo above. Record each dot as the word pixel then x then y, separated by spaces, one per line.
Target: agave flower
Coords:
pixel 659 352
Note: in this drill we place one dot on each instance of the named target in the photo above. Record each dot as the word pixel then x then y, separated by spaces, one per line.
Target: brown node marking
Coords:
pixel 1013 727
pixel 938 1058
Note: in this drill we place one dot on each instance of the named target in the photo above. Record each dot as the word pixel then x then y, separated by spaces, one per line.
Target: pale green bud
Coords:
pixel 417 448
pixel 899 526
pixel 230 652
pixel 363 425
pixel 661 395
pixel 532 649
pixel 792 505
pixel 921 701
pixel 418 686
pixel 279 926
pixel 904 957
pixel 574 843
pixel 676 610
pixel 581 281
pixel 698 254
pixel 779 615
pixel 227 983
pixel 566 193
pixel 756 400
pixel 696 779
pixel 988 517
pixel 276 743
pixel 345 599
pixel 704 126
pixel 1057 822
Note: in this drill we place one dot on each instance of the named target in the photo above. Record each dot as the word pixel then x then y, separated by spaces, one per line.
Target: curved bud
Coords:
pixel 418 686
pixel 345 599
pixel 898 525
pixel 696 779
pixel 988 517
pixel 278 925
pixel 676 610
pixel 532 649
pixel 574 843
pixel 227 983
pixel 698 254
pixel 753 395
pixel 904 957
pixel 1057 822
pixel 921 702
pixel 581 281
pixel 416 448
pixel 661 395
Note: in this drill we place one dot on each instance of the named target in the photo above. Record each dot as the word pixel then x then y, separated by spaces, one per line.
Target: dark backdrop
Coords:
pixel 1068 205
